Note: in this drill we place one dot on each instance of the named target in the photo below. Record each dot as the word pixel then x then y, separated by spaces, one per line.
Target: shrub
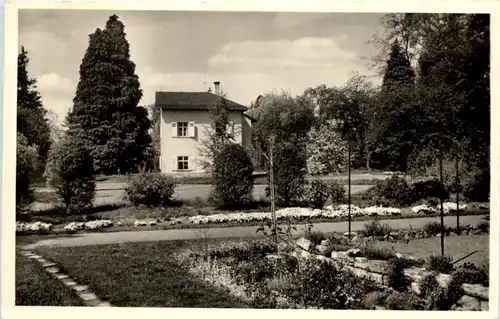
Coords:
pixel 426 189
pixel 472 274
pixel 403 301
pixel 70 170
pixel 232 177
pixel 396 276
pixel 374 299
pixel 442 264
pixel 318 194
pixel 149 189
pixel 428 284
pixel 484 226
pixel 477 186
pixel 432 228
pixel 437 297
pixel 289 173
pixel 320 284
pixel 336 191
pixel 26 165
pixel 375 228
pixel 315 237
pixel 395 190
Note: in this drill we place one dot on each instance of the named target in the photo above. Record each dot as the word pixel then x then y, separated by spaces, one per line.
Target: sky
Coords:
pixel 250 53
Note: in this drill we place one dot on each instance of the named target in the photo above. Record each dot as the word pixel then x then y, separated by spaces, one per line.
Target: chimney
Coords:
pixel 217 88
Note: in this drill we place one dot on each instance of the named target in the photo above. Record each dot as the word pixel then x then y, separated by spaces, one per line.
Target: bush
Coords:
pixel 442 264
pixel 403 301
pixel 484 226
pixel 375 228
pixel 395 190
pixel 428 189
pixel 149 189
pixel 432 228
pixel 397 279
pixel 477 186
pixel 336 191
pixel 232 177
pixel 322 285
pixel 26 165
pixel 472 274
pixel 318 194
pixel 315 237
pixel 374 299
pixel 70 170
pixel 289 173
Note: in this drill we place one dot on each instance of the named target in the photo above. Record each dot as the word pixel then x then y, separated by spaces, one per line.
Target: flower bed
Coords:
pixel 23 228
pixel 330 212
pixel 92 225
pixel 269 277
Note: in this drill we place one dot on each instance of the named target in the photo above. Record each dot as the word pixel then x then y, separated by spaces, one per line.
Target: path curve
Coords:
pixel 247 231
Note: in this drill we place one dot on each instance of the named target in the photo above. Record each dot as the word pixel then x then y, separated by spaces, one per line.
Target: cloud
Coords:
pixel 49 82
pixel 309 52
pixel 57 93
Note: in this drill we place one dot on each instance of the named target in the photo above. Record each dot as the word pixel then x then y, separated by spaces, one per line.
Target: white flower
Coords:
pixel 35 227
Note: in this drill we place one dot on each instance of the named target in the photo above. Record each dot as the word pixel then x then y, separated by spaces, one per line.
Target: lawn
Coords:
pixel 145 274
pixel 140 275
pixel 35 287
pixel 456 247
pixel 111 193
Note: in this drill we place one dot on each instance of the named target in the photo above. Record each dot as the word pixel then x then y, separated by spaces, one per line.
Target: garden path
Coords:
pixel 228 232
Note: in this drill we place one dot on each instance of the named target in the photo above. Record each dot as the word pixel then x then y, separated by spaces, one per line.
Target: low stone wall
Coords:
pixel 476 297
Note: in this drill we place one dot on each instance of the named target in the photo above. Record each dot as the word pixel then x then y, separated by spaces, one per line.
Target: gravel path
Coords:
pixel 248 231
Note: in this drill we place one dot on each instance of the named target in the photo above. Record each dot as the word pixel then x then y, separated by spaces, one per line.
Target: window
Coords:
pixel 182 129
pixel 182 163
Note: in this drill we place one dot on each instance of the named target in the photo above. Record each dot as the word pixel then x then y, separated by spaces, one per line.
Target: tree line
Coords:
pixel 434 98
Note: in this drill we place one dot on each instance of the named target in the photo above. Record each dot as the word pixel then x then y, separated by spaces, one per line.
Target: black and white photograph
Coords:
pixel 251 159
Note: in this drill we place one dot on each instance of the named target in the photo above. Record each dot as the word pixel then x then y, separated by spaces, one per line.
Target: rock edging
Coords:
pixel 83 292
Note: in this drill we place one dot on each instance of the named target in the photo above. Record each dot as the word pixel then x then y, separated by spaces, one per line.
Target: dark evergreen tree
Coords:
pixel 31 121
pixel 105 112
pixel 398 71
pixel 393 130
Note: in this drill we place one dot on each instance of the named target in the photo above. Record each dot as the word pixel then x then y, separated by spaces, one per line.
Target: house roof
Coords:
pixel 192 101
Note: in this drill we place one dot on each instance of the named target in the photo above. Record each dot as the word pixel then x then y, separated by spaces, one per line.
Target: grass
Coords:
pixel 456 247
pixel 141 275
pixel 358 177
pixel 35 287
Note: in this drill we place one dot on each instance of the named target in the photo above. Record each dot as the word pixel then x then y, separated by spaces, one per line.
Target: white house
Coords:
pixel 185 121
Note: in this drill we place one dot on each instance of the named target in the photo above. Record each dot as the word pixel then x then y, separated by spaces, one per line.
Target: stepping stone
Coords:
pixel 52 270
pixel 35 257
pixel 61 276
pixel 103 304
pixel 43 261
pixel 48 264
pixel 68 282
pixel 87 296
pixel 80 288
